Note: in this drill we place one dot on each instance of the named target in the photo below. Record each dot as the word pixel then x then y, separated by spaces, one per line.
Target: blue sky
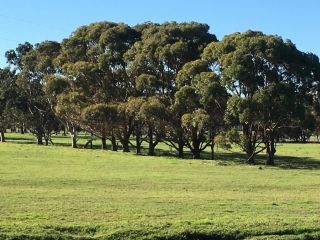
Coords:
pixel 38 20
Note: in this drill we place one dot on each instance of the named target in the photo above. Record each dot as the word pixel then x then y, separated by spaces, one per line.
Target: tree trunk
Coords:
pixel 39 139
pixel 271 150
pixel 270 159
pixel 151 145
pixel 73 135
pixel 46 141
pixel 250 152
pixel 249 144
pixel 180 149
pixel 103 143
pixel 125 143
pixel 22 129
pixel 114 143
pixel 212 150
pixel 151 151
pixel 196 149
pixel 138 143
pixel 73 140
pixel 196 153
pixel 2 138
pixel 250 158
pixel 91 142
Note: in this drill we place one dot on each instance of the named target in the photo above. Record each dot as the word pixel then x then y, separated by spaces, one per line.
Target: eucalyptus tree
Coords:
pixel 155 60
pixel 99 119
pixel 315 93
pixel 254 68
pixel 33 64
pixel 92 60
pixel 133 109
pixel 201 101
pixel 9 97
pixel 65 103
pixel 155 116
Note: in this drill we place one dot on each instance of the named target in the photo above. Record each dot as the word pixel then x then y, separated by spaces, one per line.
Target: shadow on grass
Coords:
pixel 21 140
pixel 226 158
pixel 284 162
pixel 288 162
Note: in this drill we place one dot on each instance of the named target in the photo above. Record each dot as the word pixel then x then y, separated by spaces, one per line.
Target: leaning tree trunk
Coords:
pixel 249 144
pixel 2 137
pixel 250 151
pixel 250 158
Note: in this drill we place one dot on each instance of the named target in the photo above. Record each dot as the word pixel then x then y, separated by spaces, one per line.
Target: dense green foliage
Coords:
pixel 171 83
pixel 171 90
pixel 63 193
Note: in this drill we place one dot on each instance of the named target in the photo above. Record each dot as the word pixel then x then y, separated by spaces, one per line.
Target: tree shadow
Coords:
pixel 283 162
pixel 21 140
pixel 222 158
pixel 289 162
pixel 232 158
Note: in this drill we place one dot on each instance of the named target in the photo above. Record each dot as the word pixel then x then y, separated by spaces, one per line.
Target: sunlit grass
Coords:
pixel 55 192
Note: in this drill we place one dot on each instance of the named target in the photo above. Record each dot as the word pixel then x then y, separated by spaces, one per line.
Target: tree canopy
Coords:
pixel 173 83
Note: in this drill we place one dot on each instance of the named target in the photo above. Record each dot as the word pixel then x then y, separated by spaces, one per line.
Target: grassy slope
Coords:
pixel 62 193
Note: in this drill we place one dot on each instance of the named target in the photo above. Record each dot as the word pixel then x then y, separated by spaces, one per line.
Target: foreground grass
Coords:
pixel 63 193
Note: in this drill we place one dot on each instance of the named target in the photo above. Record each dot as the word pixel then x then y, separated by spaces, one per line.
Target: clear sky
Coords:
pixel 38 20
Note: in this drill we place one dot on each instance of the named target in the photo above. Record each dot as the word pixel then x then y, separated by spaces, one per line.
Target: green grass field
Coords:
pixel 55 192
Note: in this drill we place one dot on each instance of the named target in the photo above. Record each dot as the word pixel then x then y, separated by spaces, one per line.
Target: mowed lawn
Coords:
pixel 55 192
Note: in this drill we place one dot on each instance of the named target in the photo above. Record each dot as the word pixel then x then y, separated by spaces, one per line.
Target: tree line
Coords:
pixel 172 82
